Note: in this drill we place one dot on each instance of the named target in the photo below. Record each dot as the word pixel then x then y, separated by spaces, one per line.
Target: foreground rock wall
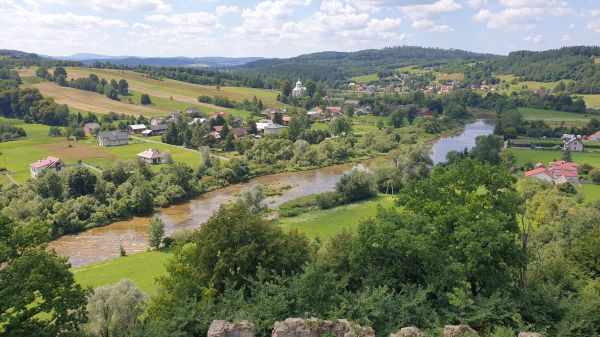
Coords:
pixel 314 327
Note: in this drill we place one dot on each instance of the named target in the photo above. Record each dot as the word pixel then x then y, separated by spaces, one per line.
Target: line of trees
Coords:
pixel 112 89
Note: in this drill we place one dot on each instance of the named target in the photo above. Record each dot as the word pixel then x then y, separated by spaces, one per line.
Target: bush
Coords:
pixel 595 175
pixel 356 185
pixel 329 200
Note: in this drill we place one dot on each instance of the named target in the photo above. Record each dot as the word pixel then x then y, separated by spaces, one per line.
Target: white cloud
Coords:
pixel 112 5
pixel 189 19
pixel 567 38
pixel 139 25
pixel 571 25
pixel 594 25
pixel 224 10
pixel 423 16
pixel 476 3
pixel 522 14
pixel 534 39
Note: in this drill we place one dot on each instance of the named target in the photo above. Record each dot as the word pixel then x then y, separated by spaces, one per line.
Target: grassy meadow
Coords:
pixel 365 78
pixel 592 101
pixel 142 268
pixel 326 223
pixel 554 117
pixel 546 156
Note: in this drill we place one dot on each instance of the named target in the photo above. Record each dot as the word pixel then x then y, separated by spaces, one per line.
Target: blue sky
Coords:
pixel 283 28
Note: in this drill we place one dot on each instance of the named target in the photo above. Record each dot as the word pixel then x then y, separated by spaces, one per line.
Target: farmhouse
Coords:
pixel 573 145
pixel 334 110
pixel 113 138
pixel 45 164
pixel 90 128
pixel 137 128
pixel 216 114
pixel 151 156
pixel 239 132
pixel 273 129
pixel 558 173
pixel 154 130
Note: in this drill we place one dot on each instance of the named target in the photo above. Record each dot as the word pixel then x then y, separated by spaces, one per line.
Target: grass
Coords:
pixel 597 60
pixel 592 101
pixel 554 117
pixel 142 268
pixel 18 154
pixel 451 77
pixel 365 78
pixel 327 223
pixel 591 191
pixel 546 156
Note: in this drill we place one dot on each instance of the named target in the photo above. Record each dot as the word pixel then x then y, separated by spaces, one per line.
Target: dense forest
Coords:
pixel 573 63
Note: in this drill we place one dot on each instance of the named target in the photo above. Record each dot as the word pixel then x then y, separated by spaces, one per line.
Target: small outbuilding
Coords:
pixel 151 156
pixel 91 128
pixel 113 138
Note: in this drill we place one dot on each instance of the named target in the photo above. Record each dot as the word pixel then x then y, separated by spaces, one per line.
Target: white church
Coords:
pixel 299 90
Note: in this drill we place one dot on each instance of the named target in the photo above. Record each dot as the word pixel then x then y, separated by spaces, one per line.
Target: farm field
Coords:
pixel 142 268
pixel 176 89
pixel 365 78
pixel 450 77
pixel 546 156
pixel 553 117
pixel 94 102
pixel 327 223
pixel 592 101
pixel 531 85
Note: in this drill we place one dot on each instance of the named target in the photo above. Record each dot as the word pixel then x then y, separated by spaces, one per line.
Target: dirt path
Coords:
pixel 12 179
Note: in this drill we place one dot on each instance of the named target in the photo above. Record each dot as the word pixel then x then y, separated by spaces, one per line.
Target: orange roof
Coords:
pixel 536 171
pixel 562 162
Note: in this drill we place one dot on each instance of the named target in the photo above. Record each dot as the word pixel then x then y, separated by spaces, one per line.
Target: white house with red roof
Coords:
pixel 559 172
pixel 44 164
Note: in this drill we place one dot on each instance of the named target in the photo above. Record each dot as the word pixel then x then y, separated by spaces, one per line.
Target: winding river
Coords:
pixel 102 243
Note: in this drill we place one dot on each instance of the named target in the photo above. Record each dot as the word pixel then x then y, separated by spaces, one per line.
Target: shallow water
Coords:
pixel 465 139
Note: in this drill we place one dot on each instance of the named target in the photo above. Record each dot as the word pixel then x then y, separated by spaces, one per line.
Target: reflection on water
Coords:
pixel 102 243
pixel 458 143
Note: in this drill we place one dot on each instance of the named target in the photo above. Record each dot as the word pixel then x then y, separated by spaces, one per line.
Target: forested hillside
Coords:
pixel 355 63
pixel 573 63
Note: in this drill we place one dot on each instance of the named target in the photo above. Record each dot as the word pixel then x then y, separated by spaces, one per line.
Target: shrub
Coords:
pixel 329 200
pixel 595 175
pixel 356 185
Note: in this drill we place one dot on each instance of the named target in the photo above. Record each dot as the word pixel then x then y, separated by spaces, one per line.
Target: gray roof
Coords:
pixel 92 125
pixel 113 135
pixel 158 127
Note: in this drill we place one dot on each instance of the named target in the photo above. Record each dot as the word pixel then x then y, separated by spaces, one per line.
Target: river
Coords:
pixel 102 243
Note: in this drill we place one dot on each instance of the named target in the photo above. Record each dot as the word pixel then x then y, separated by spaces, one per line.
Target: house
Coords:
pixel 315 111
pixel 151 156
pixel 238 120
pixel 45 164
pixel 299 90
pixel 214 115
pixel 154 130
pixel 268 111
pixel 273 129
pixel 334 110
pixel 260 125
pixel 595 136
pixel 239 132
pixel 90 128
pixel 573 145
pixel 559 172
pixel 113 138
pixel 286 119
pixel 193 110
pixel 567 137
pixel 540 173
pixel 137 128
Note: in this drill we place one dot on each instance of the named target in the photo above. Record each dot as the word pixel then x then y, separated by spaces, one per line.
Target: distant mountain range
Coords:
pixel 179 61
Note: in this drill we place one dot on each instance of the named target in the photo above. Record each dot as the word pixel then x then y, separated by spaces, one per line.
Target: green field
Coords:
pixel 142 268
pixel 546 156
pixel 365 78
pixel 591 192
pixel 553 117
pixel 37 145
pixel 326 223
